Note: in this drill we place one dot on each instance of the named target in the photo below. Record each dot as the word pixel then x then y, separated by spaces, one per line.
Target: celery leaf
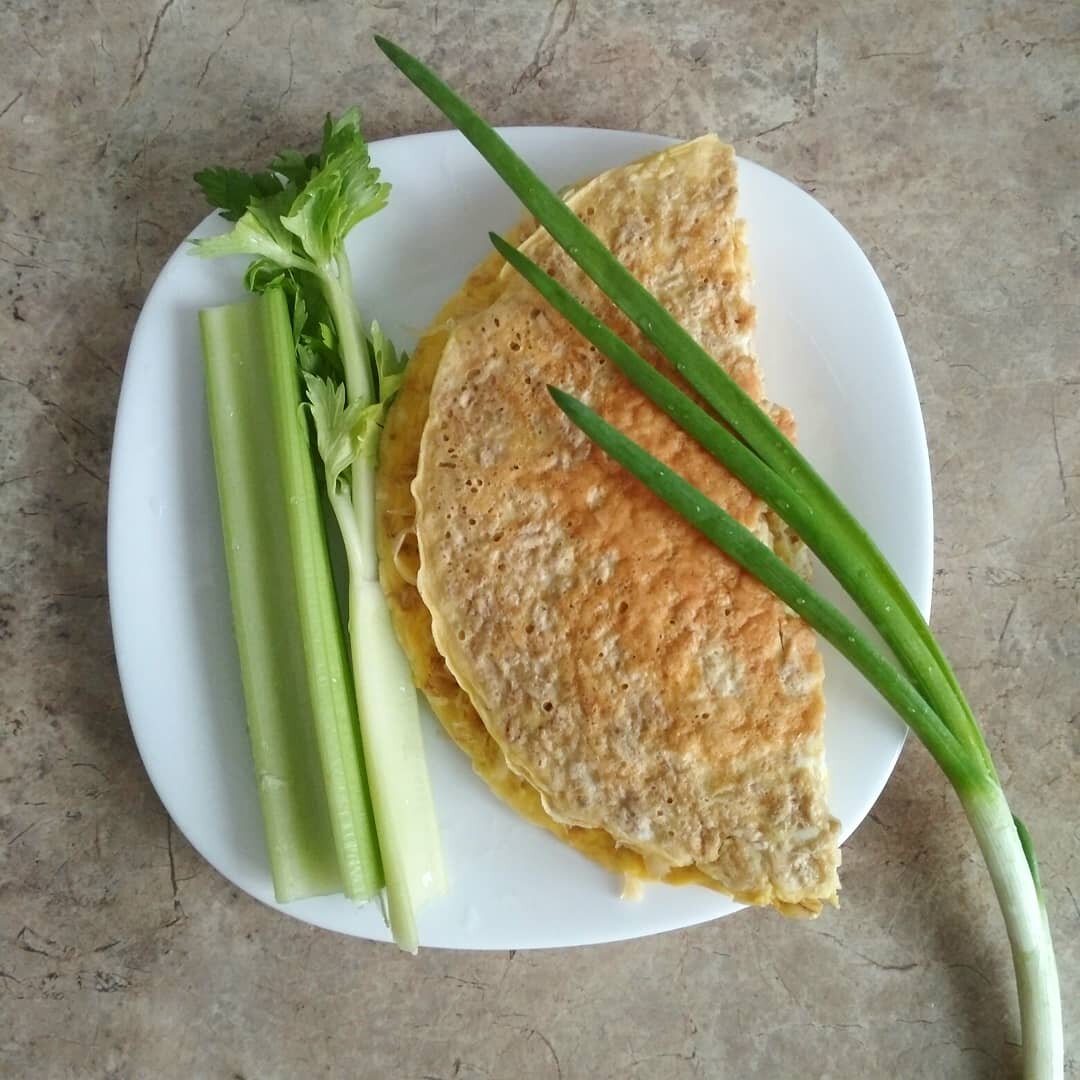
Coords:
pixel 231 190
pixel 344 433
pixel 342 191
pixel 258 232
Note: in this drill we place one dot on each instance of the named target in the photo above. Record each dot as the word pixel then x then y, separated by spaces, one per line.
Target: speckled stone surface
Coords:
pixel 945 135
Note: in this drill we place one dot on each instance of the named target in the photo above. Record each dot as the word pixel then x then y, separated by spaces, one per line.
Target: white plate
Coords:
pixel 830 348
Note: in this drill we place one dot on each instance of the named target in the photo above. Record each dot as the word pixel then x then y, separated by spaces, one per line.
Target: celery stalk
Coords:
pixel 294 218
pixel 408 835
pixel 297 683
pixel 347 418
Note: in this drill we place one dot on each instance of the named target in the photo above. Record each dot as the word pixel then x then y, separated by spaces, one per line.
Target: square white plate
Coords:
pixel 830 348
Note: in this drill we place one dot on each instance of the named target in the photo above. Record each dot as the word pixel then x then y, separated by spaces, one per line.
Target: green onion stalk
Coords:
pixel 921 686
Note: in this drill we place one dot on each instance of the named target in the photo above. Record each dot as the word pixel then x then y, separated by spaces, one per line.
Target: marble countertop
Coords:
pixel 944 135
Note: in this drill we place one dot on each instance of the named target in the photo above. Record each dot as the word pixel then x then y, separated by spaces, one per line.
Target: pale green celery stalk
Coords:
pixel 400 790
pixel 266 622
pixel 389 713
pixel 359 390
pixel 297 683
pixel 1004 842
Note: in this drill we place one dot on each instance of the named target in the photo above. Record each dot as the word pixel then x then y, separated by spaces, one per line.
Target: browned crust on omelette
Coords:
pixel 611 674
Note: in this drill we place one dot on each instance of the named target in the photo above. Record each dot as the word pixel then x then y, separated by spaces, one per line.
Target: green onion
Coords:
pixel 316 812
pixel 930 698
pixel 916 649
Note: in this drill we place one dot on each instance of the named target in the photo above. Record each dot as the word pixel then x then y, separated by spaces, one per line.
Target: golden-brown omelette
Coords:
pixel 611 673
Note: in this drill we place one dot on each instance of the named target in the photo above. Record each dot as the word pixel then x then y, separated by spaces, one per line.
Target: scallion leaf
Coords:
pixel 963 753
pixel 918 651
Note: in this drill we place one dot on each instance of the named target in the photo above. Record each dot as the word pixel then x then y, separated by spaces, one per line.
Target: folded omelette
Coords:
pixel 612 675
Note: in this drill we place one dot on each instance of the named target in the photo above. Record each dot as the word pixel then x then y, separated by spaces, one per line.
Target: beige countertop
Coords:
pixel 944 135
